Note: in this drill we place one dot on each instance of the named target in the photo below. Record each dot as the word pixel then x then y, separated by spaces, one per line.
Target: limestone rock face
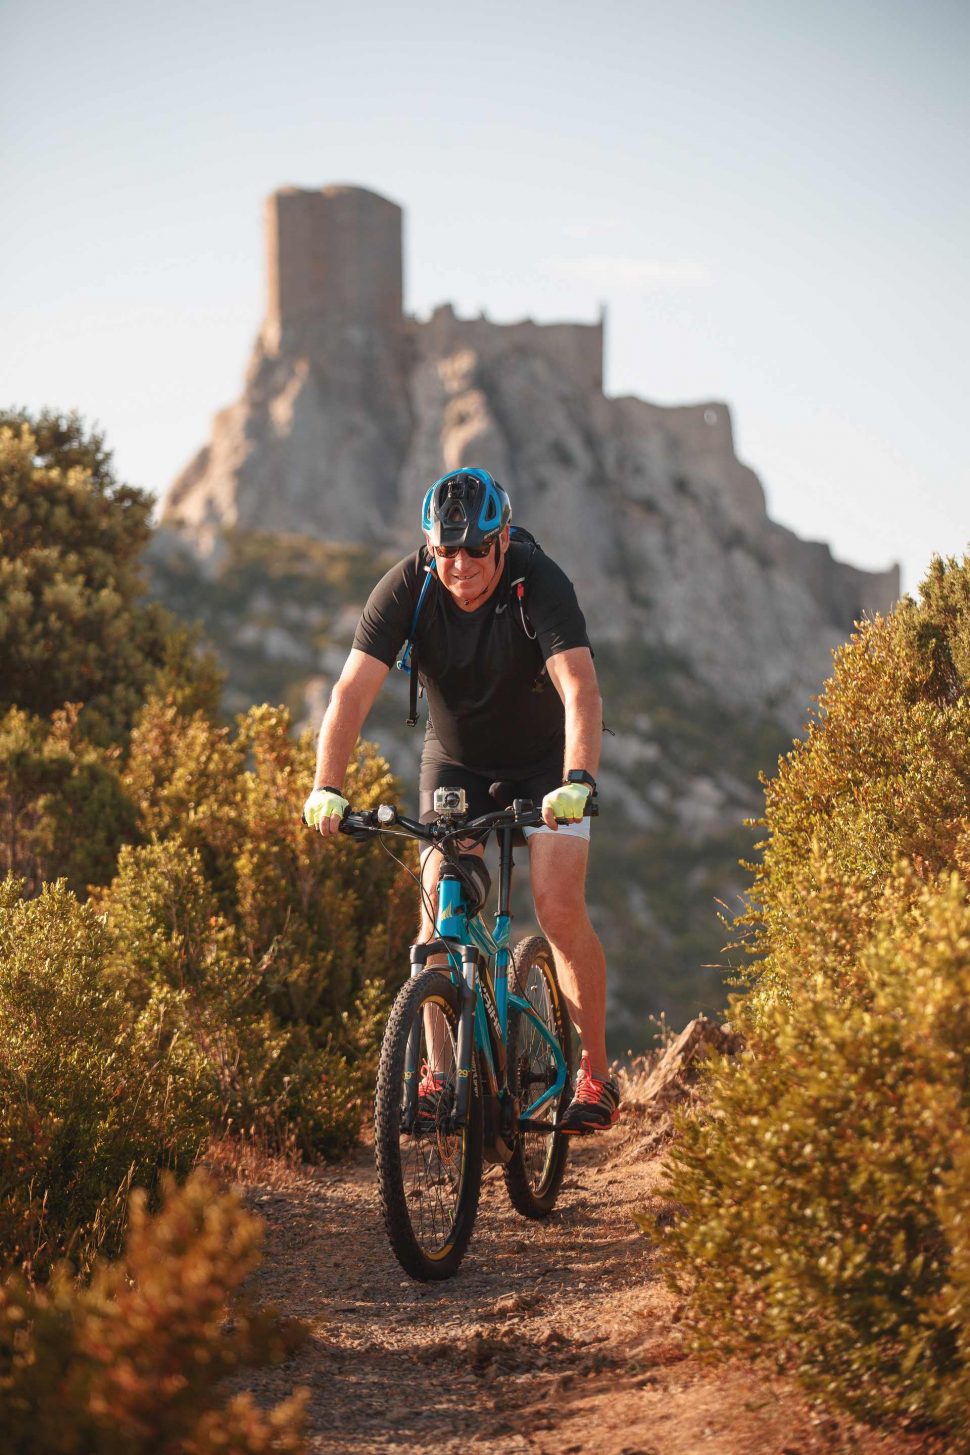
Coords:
pixel 350 410
pixel 317 441
pixel 314 446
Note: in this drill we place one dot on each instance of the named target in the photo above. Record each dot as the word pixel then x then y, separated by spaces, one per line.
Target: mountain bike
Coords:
pixel 477 1053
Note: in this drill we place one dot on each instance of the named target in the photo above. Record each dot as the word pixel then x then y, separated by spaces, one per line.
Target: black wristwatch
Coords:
pixel 579 775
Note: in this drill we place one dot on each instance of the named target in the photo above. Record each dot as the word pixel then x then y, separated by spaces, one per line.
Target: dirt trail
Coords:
pixel 556 1338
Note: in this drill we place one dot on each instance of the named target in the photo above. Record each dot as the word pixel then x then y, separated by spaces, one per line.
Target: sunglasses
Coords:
pixel 477 553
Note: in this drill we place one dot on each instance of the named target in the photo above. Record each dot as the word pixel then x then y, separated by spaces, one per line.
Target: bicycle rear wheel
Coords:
pixel 535 1171
pixel 429 1172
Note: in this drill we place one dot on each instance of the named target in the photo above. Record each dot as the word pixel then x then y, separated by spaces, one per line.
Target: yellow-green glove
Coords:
pixel 322 804
pixel 567 801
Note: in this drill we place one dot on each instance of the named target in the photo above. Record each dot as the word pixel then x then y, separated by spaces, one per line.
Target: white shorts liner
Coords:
pixel 571 830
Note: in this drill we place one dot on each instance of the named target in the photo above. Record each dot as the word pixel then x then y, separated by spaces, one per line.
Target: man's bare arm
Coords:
pixel 574 677
pixel 350 701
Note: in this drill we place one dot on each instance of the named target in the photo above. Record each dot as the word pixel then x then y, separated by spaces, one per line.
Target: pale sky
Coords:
pixel 770 197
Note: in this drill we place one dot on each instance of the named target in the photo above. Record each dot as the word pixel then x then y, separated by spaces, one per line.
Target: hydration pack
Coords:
pixel 407 662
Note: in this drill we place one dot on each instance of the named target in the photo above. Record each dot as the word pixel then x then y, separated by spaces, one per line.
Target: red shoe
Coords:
pixel 434 1098
pixel 595 1105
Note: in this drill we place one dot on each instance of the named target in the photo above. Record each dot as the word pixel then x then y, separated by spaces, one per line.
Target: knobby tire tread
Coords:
pixel 538 1202
pixel 388 1136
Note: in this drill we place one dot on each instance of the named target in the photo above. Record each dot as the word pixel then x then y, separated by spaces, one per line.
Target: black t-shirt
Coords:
pixel 491 704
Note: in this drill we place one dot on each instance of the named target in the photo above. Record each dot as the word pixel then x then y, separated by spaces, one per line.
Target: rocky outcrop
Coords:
pixel 350 410
pixel 317 442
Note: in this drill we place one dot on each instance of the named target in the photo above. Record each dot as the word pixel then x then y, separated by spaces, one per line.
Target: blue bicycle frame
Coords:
pixel 478 959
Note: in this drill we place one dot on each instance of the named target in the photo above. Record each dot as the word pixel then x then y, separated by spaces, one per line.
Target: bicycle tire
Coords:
pixel 535 1171
pixel 430 1181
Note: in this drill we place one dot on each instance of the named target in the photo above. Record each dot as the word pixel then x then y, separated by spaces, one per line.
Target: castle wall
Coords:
pixel 574 351
pixel 334 256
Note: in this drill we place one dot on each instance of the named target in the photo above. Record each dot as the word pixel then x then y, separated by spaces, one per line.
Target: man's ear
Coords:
pixel 504 538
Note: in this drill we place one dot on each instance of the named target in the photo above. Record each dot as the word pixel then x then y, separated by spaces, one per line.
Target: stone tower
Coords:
pixel 317 443
pixel 334 259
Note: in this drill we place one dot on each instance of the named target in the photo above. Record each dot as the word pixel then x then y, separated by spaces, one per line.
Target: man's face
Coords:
pixel 467 577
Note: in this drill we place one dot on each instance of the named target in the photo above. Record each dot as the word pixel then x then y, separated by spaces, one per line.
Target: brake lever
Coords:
pixel 358 825
pixel 355 825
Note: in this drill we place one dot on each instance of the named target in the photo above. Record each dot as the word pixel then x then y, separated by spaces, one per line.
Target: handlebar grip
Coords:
pixel 591 809
pixel 343 820
pixel 357 825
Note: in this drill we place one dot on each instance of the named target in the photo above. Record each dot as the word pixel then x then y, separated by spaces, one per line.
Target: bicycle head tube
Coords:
pixel 452 921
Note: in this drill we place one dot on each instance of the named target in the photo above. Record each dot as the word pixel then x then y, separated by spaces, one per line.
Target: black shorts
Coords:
pixel 535 783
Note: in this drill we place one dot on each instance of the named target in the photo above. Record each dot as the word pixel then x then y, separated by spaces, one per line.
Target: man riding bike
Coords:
pixel 506 665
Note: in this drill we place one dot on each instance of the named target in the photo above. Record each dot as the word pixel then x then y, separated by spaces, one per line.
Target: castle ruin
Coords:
pixel 351 408
pixel 335 267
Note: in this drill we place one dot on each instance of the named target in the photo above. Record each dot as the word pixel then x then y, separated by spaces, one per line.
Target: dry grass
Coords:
pixel 252 1159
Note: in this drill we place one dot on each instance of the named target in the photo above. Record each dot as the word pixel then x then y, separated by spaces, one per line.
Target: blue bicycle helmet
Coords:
pixel 465 508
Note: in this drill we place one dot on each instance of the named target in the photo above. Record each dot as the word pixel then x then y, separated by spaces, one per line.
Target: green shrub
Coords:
pixel 184 772
pixel 64 811
pixel 883 775
pixel 324 921
pixel 133 1363
pixel 228 974
pixel 93 1093
pixel 228 980
pixel 173 954
pixel 825 1189
pixel 72 627
pixel 286 950
pixel 334 917
pixel 827 1193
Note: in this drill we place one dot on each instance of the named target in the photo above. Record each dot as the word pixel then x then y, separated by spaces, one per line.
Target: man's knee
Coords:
pixel 560 900
pixel 561 919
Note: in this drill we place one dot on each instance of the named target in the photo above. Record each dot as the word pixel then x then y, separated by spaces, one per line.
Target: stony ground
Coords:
pixel 557 1338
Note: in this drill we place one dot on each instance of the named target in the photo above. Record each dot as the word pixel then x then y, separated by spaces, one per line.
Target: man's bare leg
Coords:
pixel 558 868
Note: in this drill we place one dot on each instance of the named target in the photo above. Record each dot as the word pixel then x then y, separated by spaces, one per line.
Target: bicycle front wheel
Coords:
pixel 429 1172
pixel 535 1171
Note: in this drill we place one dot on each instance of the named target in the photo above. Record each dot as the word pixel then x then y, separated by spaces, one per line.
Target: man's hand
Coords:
pixel 567 801
pixel 324 810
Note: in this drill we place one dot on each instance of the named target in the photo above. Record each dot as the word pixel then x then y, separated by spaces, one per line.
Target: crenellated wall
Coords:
pixel 574 351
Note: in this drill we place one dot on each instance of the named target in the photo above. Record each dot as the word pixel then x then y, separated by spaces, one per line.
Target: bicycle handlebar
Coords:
pixel 522 814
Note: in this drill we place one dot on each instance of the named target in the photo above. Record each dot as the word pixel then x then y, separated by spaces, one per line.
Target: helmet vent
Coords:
pixel 469 505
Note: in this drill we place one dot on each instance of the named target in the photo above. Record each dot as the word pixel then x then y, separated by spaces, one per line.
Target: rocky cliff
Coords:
pixel 350 409
pixel 713 626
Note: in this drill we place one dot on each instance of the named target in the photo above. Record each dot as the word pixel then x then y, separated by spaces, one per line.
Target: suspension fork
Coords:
pixel 412 1070
pixel 467 994
pixel 466 1032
